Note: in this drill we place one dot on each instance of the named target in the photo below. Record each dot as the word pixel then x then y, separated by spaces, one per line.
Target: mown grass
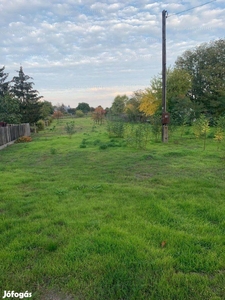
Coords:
pixel 117 223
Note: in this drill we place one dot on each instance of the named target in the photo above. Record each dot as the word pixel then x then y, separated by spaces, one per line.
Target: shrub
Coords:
pixel 220 128
pixel 96 142
pixel 138 135
pixel 40 125
pixel 201 128
pixel 48 120
pixel 116 128
pixel 23 139
pixel 57 114
pixel 53 151
pixel 70 128
pixel 83 145
pixel 156 126
pixel 103 146
pixel 79 113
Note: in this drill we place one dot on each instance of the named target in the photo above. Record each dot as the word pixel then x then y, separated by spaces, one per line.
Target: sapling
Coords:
pixel 70 128
pixel 201 128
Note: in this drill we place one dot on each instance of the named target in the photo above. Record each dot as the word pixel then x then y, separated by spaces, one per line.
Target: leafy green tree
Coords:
pixel 79 113
pixel 178 86
pixel 206 65
pixel 9 109
pixel 84 107
pixel 4 86
pixel 118 105
pixel 72 111
pixel 46 109
pixel 22 90
pixel 132 107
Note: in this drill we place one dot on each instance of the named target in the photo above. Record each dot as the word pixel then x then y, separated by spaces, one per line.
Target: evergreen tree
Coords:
pixel 4 86
pixel 22 89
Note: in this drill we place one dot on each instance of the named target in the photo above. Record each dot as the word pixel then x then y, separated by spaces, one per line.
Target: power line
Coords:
pixel 191 8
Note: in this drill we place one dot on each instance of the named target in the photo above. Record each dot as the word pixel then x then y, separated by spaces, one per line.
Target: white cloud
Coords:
pixel 66 45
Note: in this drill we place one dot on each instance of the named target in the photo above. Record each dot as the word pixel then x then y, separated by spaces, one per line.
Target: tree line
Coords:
pixel 19 101
pixel 195 86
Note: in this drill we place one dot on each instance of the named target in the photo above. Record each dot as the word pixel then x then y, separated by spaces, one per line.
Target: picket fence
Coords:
pixel 12 132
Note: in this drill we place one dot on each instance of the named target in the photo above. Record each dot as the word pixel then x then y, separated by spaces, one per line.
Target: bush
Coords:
pixel 49 120
pixel 201 128
pixel 23 139
pixel 156 126
pixel 40 125
pixel 116 128
pixel 70 128
pixel 79 113
pixel 138 135
pixel 83 146
pixel 103 146
pixel 57 114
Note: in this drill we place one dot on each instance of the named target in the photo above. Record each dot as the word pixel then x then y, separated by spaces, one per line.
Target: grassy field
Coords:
pixel 82 222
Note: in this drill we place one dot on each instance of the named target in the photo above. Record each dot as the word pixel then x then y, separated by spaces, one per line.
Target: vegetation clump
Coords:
pixel 24 139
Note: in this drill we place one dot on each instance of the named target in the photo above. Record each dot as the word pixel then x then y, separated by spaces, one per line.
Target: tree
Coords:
pixel 149 103
pixel 84 107
pixel 206 65
pixel 118 105
pixel 79 113
pixel 4 86
pixel 46 109
pixel 70 128
pixel 57 114
pixel 98 115
pixel 22 90
pixel 71 111
pixel 201 127
pixel 179 104
pixel 178 84
pixel 9 109
pixel 132 107
pixel 61 107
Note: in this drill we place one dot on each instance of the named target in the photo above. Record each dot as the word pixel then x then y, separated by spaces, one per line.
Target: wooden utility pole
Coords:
pixel 165 115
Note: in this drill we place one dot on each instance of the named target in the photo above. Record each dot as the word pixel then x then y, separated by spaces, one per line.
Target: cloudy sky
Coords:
pixel 90 51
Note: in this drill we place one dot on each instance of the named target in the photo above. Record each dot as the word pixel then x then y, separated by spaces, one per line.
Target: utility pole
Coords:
pixel 165 115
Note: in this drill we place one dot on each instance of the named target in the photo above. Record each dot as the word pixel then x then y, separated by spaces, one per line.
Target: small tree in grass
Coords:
pixel 156 126
pixel 220 128
pixel 57 114
pixel 70 128
pixel 79 113
pixel 98 115
pixel 201 128
pixel 138 135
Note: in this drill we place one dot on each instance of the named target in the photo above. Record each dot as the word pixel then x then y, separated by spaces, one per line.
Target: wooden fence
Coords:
pixel 12 132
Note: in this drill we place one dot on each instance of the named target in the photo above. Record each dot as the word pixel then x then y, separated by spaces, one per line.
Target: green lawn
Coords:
pixel 80 222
